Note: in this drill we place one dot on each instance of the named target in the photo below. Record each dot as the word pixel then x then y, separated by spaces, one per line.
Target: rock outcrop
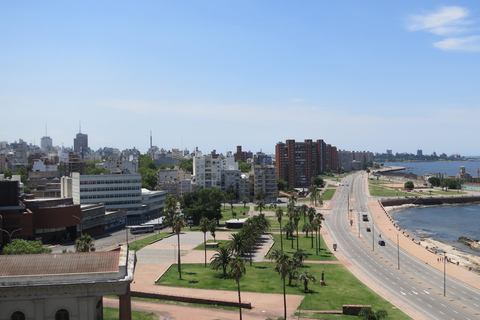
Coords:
pixel 472 243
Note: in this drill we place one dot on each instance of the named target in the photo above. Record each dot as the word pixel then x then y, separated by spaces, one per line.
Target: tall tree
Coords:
pixel 213 228
pixel 279 214
pixel 261 206
pixel 319 218
pixel 204 227
pixel 237 270
pixel 282 266
pixel 202 202
pixel 245 201
pixel 313 189
pixel 177 226
pixel 84 244
pixel 170 210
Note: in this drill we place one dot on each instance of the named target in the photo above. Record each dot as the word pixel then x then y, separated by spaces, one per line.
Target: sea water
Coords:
pixel 444 223
pixel 450 168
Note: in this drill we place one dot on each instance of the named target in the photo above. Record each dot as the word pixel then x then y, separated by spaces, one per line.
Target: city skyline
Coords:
pixel 363 77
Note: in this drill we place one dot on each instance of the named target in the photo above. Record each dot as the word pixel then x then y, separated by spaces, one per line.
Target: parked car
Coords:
pixel 368 230
pixel 381 242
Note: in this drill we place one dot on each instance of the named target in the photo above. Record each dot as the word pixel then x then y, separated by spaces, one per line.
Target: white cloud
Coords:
pixel 446 21
pixel 466 44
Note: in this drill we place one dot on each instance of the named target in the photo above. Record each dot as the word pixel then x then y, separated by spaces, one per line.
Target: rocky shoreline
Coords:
pixel 472 243
pixel 454 254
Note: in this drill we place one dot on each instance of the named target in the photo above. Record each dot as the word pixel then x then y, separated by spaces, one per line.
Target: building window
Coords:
pixel 62 314
pixel 17 315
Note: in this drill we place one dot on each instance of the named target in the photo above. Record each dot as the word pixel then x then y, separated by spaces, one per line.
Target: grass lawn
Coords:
pixel 342 287
pixel 227 213
pixel 139 244
pixel 113 313
pixel 328 194
pixel 306 244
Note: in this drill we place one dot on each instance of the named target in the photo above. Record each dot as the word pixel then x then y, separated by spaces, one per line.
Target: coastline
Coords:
pixel 456 255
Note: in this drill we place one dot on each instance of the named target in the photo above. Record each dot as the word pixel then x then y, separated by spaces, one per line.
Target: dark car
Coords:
pixel 368 230
pixel 381 242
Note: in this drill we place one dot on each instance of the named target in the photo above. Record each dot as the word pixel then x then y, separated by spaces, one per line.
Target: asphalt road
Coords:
pixel 417 284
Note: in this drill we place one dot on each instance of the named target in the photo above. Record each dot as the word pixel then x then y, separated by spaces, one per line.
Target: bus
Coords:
pixel 156 223
pixel 142 229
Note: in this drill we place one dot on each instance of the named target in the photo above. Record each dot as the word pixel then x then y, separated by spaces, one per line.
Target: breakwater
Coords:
pixel 429 201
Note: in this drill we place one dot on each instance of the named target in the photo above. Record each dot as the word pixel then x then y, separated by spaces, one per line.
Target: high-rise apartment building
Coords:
pixel 298 162
pixel 207 171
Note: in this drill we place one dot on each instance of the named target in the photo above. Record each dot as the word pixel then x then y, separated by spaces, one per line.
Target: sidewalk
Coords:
pixel 155 259
pixel 385 223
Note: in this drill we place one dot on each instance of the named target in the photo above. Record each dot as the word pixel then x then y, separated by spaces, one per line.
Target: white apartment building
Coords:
pixel 175 181
pixel 207 171
pixel 265 177
pixel 153 201
pixel 116 191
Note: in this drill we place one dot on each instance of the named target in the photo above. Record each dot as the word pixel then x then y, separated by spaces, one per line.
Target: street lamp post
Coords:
pixel 444 274
pixel 10 234
pixel 81 224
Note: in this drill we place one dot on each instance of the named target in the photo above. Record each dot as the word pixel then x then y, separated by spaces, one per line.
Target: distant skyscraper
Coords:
pixel 46 143
pixel 80 143
pixel 419 153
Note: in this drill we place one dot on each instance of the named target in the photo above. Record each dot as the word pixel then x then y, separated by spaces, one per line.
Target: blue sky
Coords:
pixel 362 75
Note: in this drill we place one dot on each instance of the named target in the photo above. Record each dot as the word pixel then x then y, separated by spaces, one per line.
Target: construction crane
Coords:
pixel 478 174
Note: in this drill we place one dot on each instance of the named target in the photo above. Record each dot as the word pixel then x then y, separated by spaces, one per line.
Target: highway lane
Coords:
pixel 429 276
pixel 373 263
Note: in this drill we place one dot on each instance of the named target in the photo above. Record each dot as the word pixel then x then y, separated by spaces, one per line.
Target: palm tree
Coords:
pixel 282 266
pixel 238 243
pixel 261 206
pixel 292 200
pixel 170 210
pixel 307 227
pixel 221 259
pixel 289 228
pixel 177 226
pixel 296 219
pixel 237 270
pixel 311 212
pixel 315 228
pixel 305 277
pixel 300 255
pixel 84 244
pixel 204 227
pixel 245 201
pixel 279 214
pixel 319 218
pixel 303 211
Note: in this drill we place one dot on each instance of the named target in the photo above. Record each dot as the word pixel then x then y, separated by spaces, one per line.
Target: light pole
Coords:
pixel 81 224
pixel 10 234
pixel 444 274
pixel 398 251
pixel 373 236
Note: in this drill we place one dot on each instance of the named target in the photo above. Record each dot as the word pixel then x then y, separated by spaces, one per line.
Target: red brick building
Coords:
pixel 298 162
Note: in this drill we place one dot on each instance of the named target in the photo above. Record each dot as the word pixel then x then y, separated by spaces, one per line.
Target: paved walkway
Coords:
pixel 155 259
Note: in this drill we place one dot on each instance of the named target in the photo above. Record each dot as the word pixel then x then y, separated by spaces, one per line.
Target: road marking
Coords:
pixel 414 292
pixel 403 293
pixel 426 291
